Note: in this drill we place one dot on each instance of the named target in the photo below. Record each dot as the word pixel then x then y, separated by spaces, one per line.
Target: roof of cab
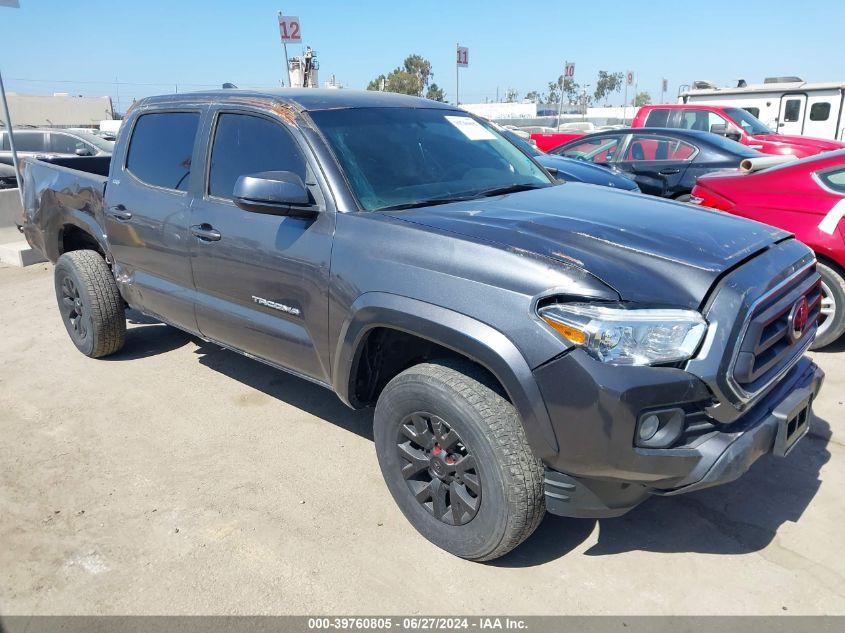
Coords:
pixel 306 99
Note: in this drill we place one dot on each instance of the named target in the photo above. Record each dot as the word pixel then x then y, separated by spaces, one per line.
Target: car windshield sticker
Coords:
pixel 471 128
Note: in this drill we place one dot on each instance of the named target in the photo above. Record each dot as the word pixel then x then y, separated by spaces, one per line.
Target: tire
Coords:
pixel 832 325
pixel 495 498
pixel 90 303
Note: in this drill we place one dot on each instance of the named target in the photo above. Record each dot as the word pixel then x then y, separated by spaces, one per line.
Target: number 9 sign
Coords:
pixel 289 30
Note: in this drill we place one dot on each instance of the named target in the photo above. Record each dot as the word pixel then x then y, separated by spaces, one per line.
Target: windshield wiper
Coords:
pixel 462 197
pixel 514 188
pixel 428 202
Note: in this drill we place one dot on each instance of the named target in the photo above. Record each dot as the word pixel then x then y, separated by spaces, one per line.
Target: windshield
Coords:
pixel 403 157
pixel 751 124
pixel 521 143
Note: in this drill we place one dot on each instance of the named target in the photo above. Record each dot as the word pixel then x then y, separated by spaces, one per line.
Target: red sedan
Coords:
pixel 805 197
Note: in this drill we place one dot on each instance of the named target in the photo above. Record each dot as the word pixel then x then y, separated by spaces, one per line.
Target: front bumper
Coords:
pixel 599 471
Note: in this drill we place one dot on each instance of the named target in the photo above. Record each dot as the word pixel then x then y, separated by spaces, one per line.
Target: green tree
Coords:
pixel 419 67
pixel 570 89
pixel 534 96
pixel 642 98
pixel 375 84
pixel 511 95
pixel 412 78
pixel 435 93
pixel 607 84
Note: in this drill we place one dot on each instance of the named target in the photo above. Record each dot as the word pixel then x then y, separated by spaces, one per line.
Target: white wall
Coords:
pixel 57 111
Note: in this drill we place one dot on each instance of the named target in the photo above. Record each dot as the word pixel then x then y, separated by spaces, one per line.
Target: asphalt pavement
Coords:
pixel 180 478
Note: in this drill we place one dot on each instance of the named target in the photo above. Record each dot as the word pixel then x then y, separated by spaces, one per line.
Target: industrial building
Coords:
pixel 58 110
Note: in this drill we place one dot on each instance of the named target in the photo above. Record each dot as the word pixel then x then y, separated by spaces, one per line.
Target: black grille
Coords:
pixel 770 345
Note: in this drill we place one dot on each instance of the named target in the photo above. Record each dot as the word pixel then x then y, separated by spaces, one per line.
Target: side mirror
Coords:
pixel 726 130
pixel 273 193
pixel 83 152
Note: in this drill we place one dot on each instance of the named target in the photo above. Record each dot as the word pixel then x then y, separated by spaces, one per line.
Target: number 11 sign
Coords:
pixel 289 30
pixel 463 56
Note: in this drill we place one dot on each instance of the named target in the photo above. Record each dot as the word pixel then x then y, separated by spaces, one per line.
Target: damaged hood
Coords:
pixel 647 249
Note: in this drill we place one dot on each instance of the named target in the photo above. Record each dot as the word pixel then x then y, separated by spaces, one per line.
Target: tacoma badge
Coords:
pixel 276 306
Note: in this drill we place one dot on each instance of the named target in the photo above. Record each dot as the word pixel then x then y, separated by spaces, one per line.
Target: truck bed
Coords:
pixel 60 192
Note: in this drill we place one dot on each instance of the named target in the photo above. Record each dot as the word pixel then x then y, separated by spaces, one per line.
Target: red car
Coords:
pixel 734 123
pixel 805 197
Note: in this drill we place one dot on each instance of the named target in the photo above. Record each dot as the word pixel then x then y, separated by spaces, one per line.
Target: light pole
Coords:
pixel 13 4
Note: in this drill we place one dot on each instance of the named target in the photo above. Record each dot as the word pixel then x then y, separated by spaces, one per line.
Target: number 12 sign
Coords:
pixel 463 56
pixel 289 30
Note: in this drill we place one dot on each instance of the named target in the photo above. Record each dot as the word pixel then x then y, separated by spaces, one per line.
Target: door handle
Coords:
pixel 119 212
pixel 206 232
pixel 669 171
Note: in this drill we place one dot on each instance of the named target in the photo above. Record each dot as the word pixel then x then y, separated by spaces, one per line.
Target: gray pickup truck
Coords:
pixel 528 345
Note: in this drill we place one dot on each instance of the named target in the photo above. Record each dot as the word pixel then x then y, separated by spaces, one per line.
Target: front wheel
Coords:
pixel 832 318
pixel 454 456
pixel 90 303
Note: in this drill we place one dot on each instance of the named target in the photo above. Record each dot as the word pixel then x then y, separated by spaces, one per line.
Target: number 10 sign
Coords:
pixel 463 56
pixel 289 30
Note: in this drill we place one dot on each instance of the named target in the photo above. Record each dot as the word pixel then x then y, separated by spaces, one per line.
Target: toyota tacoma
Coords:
pixel 528 345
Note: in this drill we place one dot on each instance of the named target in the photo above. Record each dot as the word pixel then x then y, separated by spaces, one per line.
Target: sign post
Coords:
pixel 629 81
pixel 289 30
pixel 568 73
pixel 462 62
pixel 664 87
pixel 13 4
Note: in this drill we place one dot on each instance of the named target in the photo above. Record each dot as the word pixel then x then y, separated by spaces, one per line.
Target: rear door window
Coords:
pixel 29 141
pixel 656 148
pixel 658 118
pixel 161 149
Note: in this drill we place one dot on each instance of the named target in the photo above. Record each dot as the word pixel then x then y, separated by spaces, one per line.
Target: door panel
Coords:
pixel 262 287
pixel 792 110
pixel 148 213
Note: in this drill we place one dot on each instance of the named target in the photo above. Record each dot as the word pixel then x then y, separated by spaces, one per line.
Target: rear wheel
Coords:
pixel 832 318
pixel 90 303
pixel 454 456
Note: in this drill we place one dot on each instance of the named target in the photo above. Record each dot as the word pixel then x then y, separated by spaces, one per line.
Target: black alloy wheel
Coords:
pixel 73 311
pixel 439 469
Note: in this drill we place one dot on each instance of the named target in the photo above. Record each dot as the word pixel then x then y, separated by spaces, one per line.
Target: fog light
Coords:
pixel 648 427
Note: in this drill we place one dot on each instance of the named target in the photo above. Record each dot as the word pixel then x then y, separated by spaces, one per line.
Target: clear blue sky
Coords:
pixel 520 45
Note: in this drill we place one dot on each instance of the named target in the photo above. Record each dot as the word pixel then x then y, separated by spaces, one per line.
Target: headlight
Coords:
pixel 628 337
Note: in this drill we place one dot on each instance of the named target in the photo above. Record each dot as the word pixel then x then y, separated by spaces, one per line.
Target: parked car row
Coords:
pixel 696 159
pixel 806 198
pixel 663 162
pixel 48 142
